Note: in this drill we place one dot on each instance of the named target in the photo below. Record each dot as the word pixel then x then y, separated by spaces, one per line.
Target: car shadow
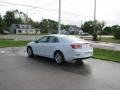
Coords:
pixel 82 69
pixel 76 68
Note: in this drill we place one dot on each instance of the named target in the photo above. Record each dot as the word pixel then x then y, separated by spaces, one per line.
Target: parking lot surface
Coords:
pixel 18 72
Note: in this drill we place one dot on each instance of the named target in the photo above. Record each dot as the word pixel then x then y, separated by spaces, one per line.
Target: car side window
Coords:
pixel 53 39
pixel 43 39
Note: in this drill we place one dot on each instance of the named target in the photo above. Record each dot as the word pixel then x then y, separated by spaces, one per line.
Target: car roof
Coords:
pixel 72 39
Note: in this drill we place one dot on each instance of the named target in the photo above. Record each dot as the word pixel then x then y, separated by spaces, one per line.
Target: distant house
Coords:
pixel 64 31
pixel 74 30
pixel 23 29
pixel 81 32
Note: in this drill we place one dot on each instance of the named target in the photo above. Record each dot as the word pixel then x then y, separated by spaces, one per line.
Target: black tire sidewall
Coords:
pixel 63 60
pixel 31 52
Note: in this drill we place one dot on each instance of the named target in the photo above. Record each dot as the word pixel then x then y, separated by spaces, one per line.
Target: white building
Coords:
pixel 23 29
pixel 74 30
pixel 64 31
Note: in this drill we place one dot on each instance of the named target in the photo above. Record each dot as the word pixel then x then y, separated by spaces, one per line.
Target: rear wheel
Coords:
pixel 30 52
pixel 59 58
pixel 79 62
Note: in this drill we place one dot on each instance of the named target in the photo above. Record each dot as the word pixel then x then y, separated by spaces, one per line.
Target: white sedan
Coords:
pixel 61 48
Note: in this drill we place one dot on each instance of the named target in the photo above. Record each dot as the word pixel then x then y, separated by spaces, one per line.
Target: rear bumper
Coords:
pixel 82 58
pixel 79 56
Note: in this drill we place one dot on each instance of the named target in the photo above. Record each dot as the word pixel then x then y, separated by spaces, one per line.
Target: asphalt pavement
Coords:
pixel 18 72
pixel 105 45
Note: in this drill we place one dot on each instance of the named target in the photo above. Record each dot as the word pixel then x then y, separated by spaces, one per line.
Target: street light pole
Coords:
pixel 27 22
pixel 94 16
pixel 59 17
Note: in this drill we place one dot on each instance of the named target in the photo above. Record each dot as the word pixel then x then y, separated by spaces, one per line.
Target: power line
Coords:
pixel 39 8
pixel 27 6
pixel 51 3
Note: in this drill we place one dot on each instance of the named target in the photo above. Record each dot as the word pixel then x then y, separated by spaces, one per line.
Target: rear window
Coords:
pixel 73 39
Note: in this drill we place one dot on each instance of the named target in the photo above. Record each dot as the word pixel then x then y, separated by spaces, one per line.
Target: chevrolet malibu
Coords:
pixel 61 48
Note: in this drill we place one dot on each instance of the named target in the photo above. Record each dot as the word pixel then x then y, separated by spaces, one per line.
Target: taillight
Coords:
pixel 91 45
pixel 76 46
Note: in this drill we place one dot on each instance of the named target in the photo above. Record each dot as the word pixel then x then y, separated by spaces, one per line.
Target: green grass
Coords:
pixel 6 39
pixel 109 55
pixel 12 43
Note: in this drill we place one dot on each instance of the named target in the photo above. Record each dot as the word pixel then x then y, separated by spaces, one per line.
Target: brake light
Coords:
pixel 91 45
pixel 76 46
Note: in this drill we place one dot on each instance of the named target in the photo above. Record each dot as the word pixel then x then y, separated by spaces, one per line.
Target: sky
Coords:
pixel 73 11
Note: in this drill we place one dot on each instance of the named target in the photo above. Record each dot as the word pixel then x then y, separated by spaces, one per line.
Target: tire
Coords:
pixel 79 62
pixel 59 57
pixel 30 52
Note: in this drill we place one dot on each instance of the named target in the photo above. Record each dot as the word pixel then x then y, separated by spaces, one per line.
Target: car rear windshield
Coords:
pixel 73 39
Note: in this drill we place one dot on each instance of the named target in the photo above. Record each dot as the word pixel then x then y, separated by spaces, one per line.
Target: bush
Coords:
pixel 116 33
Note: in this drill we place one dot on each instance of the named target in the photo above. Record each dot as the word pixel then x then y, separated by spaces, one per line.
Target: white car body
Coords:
pixel 66 45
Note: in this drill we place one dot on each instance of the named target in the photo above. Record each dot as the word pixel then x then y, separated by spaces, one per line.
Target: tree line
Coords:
pixel 48 25
pixel 100 29
pixel 18 17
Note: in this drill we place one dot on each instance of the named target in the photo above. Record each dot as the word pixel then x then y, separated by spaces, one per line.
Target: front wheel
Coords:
pixel 30 52
pixel 59 58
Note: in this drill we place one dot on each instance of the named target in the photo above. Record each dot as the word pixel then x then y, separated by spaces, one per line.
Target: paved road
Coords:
pixel 18 72
pixel 20 37
pixel 104 45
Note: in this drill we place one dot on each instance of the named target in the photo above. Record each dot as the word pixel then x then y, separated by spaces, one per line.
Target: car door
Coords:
pixel 51 46
pixel 41 45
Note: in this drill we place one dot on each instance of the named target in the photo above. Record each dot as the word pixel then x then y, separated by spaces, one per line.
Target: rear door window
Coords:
pixel 52 39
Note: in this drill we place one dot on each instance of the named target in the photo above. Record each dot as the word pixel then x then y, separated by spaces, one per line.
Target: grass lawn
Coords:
pixel 109 55
pixel 12 43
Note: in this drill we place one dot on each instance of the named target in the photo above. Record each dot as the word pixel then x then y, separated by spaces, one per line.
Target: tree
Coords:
pixel 21 17
pixel 14 16
pixel 117 34
pixel 48 26
pixel 9 18
pixel 88 27
pixel 31 22
pixel 100 26
pixel 66 27
pixel 2 24
pixel 114 27
pixel 116 31
pixel 44 26
pixel 107 31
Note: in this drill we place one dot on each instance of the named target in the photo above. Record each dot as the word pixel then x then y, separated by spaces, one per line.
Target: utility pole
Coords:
pixel 27 22
pixel 59 17
pixel 94 31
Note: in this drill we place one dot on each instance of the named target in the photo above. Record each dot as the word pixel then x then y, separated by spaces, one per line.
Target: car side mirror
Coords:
pixel 36 41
